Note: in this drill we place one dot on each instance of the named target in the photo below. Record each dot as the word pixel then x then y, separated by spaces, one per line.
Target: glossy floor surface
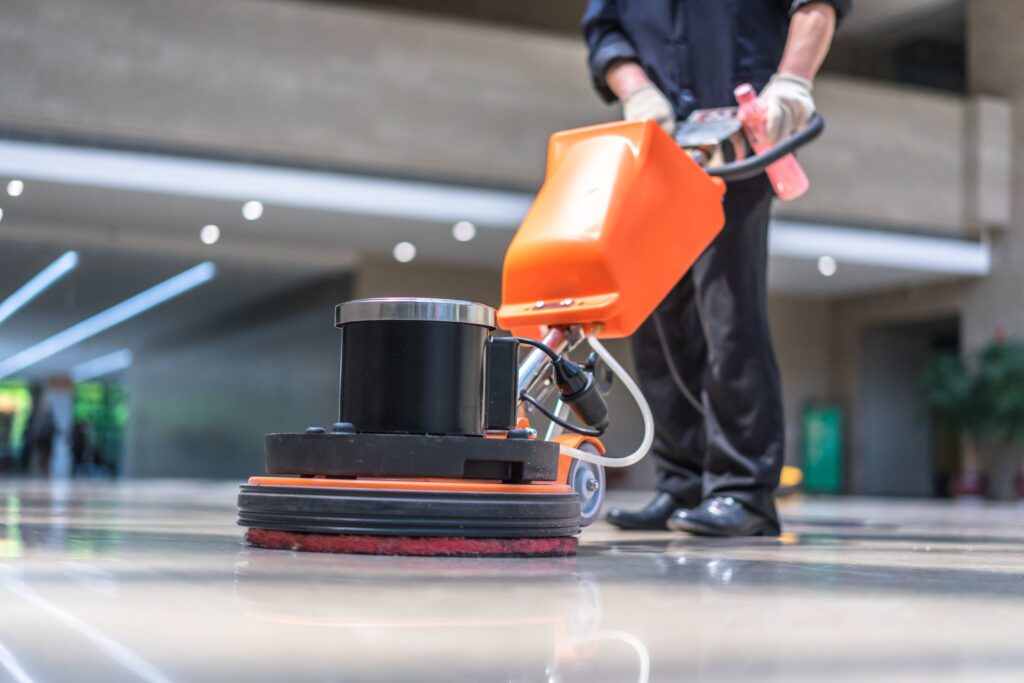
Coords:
pixel 151 582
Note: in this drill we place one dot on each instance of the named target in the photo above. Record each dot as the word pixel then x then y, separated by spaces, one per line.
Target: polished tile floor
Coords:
pixel 151 582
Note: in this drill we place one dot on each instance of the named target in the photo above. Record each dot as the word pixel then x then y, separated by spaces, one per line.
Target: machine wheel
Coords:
pixel 587 482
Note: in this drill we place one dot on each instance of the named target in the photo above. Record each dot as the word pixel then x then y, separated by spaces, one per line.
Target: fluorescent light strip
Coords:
pixel 417 200
pixel 880 248
pixel 236 181
pixel 103 365
pixel 38 284
pixel 129 308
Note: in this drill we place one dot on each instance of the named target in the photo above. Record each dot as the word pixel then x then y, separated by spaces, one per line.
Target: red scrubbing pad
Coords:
pixel 444 546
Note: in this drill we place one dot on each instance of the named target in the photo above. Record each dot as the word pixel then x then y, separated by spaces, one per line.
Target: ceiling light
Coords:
pixel 116 314
pixel 404 252
pixel 882 248
pixel 282 186
pixel 252 210
pixel 15 188
pixel 209 234
pixel 103 365
pixel 463 231
pixel 827 266
pixel 1 214
pixel 38 284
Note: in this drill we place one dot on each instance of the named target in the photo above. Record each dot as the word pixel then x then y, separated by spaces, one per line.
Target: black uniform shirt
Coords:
pixel 695 51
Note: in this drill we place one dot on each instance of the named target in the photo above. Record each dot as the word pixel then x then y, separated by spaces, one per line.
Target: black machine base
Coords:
pixel 333 454
pixel 383 512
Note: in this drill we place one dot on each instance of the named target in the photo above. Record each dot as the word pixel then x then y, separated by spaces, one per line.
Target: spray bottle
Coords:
pixel 787 178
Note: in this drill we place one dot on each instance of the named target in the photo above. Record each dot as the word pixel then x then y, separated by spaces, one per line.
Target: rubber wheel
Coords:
pixel 588 483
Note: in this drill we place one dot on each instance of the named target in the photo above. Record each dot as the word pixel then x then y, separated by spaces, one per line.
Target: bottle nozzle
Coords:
pixel 745 93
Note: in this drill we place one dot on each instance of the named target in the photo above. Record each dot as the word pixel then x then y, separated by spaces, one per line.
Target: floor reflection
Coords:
pixel 548 629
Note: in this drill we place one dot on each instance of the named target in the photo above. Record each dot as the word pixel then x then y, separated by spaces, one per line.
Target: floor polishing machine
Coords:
pixel 435 451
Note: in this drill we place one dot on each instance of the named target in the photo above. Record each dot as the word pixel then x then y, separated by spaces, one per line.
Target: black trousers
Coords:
pixel 728 440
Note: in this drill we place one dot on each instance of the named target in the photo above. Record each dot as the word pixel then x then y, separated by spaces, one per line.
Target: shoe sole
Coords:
pixel 700 530
pixel 635 527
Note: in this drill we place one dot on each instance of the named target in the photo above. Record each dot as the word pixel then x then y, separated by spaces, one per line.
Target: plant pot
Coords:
pixel 970 482
pixel 1002 465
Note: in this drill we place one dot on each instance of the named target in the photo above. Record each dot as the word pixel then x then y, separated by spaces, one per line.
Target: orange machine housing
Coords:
pixel 622 215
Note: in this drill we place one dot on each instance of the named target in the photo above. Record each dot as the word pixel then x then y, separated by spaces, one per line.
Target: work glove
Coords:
pixel 789 103
pixel 647 102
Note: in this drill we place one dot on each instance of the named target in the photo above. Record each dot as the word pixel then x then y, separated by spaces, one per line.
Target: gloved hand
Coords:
pixel 647 102
pixel 790 105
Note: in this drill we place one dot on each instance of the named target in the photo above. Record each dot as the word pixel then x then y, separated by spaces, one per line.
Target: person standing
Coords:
pixel 704 357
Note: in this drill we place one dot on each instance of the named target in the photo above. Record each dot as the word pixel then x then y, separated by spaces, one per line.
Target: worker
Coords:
pixel 704 358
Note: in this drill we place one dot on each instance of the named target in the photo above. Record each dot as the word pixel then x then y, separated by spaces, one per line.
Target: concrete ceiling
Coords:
pixel 870 18
pixel 887 21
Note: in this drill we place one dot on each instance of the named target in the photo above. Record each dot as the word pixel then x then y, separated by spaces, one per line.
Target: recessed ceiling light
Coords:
pixel 252 210
pixel 827 266
pixel 404 252
pixel 463 231
pixel 209 234
pixel 15 188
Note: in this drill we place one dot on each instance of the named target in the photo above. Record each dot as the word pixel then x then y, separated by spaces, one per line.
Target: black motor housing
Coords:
pixel 424 366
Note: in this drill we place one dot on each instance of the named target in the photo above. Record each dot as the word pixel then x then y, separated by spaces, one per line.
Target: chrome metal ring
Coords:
pixel 416 309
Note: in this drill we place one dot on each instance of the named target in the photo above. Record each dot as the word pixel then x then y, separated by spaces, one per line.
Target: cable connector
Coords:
pixel 580 392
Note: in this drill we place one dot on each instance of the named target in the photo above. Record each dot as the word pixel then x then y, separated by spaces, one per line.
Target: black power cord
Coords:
pixel 673 371
pixel 539 345
pixel 578 390
pixel 565 424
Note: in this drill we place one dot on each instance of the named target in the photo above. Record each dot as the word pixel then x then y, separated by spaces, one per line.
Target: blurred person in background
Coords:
pixel 86 454
pixel 705 358
pixel 7 463
pixel 37 437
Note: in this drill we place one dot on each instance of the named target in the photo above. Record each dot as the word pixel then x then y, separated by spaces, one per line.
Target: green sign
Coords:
pixel 823 448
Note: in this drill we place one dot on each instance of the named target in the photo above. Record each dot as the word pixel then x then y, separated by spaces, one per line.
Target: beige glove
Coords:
pixel 789 103
pixel 647 102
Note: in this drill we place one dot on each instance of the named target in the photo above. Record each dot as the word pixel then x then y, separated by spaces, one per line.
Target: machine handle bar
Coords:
pixel 755 165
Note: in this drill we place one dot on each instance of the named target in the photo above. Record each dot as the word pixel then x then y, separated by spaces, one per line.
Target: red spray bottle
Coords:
pixel 787 178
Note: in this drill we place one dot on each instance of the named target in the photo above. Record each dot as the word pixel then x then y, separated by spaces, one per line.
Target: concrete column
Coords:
pixel 995 55
pixel 993 308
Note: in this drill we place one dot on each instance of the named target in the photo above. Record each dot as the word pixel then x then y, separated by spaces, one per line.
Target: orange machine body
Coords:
pixel 622 215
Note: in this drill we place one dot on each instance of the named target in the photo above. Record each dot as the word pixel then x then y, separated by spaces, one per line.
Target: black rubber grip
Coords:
pixel 755 165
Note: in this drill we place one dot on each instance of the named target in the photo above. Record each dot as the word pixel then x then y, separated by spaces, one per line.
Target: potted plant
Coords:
pixel 950 392
pixel 1000 379
pixel 981 397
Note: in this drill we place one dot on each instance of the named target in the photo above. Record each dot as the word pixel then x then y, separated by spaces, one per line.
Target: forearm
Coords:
pixel 624 77
pixel 640 98
pixel 810 36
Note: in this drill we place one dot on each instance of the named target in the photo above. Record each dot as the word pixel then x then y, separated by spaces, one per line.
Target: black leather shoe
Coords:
pixel 651 517
pixel 722 516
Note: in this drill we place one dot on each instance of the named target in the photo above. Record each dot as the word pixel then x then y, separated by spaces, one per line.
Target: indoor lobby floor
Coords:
pixel 150 581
